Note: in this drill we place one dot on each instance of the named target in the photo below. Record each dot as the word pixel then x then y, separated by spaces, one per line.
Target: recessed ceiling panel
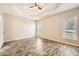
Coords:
pixel 35 13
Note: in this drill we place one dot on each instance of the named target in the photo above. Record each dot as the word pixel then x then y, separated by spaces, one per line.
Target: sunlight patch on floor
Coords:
pixel 39 44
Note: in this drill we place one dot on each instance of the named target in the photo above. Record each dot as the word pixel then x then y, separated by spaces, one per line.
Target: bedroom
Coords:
pixel 39 29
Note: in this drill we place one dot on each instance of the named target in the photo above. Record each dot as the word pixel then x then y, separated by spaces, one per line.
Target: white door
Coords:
pixel 1 31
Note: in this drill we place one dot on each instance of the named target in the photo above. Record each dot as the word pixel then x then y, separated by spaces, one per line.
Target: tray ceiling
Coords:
pixel 24 10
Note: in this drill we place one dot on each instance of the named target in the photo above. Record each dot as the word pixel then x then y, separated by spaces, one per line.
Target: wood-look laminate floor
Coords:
pixel 38 47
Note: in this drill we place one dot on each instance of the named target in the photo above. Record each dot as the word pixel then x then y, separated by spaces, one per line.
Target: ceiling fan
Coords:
pixel 36 5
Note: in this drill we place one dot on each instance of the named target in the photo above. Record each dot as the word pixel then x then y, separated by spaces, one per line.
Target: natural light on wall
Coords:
pixel 32 29
pixel 1 31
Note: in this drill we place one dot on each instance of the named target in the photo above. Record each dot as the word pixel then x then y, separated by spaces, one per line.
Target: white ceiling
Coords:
pixel 24 10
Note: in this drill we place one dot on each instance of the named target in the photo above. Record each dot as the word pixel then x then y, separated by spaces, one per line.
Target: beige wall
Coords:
pixel 17 28
pixel 51 27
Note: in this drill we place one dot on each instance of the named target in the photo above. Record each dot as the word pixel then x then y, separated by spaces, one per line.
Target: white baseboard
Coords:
pixel 19 39
pixel 60 41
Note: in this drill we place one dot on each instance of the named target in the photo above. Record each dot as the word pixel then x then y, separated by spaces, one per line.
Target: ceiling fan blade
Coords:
pixel 36 4
pixel 39 7
pixel 32 6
